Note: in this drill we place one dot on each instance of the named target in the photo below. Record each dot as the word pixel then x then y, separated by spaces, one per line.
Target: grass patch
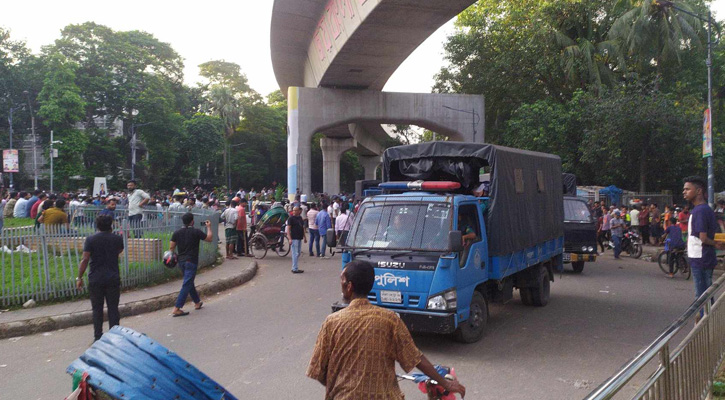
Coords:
pixel 718 385
pixel 18 222
pixel 24 273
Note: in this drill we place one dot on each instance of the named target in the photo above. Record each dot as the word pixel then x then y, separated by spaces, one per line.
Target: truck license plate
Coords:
pixel 389 296
pixel 567 257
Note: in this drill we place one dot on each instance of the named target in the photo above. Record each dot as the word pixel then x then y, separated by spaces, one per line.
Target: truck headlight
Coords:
pixel 584 249
pixel 447 300
pixel 590 249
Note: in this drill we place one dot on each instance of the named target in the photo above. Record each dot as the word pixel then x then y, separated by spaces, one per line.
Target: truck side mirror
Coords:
pixel 455 241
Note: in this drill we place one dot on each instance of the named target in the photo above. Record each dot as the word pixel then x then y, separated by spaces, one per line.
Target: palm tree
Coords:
pixel 224 103
pixel 654 34
pixel 579 29
pixel 589 62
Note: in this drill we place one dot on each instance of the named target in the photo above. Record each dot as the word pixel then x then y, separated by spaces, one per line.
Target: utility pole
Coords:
pixel 474 115
pixel 710 166
pixel 52 156
pixel 10 122
pixel 133 147
pixel 708 62
pixel 32 129
pixel 51 161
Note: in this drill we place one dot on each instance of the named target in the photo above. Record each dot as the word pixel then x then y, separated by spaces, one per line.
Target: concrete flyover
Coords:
pixel 333 57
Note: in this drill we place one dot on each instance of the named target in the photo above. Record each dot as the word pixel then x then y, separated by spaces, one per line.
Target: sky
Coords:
pixel 231 30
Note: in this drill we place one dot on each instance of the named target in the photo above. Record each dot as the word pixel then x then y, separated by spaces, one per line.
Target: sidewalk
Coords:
pixel 229 274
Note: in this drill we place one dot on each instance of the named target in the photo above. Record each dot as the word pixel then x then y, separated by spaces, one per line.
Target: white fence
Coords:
pixel 41 263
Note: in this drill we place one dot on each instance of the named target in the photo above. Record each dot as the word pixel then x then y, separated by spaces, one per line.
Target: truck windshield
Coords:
pixel 576 211
pixel 420 226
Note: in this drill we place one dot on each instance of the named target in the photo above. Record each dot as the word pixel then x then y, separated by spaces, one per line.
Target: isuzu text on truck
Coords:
pixel 442 254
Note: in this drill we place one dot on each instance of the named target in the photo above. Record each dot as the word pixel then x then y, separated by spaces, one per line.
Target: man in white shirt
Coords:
pixel 137 198
pixel 634 217
pixel 335 208
pixel 229 216
pixel 177 205
pixel 19 210
pixel 312 227
pixel 343 223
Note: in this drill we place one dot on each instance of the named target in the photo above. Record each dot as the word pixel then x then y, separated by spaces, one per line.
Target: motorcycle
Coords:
pixel 632 243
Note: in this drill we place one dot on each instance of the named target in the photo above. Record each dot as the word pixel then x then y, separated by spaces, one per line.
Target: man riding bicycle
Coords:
pixel 674 235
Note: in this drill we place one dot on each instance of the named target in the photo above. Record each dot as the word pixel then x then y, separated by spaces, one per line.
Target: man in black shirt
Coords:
pixel 187 239
pixel 295 234
pixel 104 280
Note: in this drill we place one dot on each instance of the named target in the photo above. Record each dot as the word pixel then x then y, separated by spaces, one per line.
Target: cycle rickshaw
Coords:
pixel 269 234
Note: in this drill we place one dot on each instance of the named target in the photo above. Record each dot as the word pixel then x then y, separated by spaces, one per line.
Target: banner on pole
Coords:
pixel 707 134
pixel 99 186
pixel 10 161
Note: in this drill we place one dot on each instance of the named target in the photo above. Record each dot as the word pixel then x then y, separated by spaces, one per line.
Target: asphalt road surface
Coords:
pixel 256 340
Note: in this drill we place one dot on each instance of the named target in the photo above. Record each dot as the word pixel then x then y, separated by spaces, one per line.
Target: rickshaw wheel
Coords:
pixel 286 248
pixel 258 246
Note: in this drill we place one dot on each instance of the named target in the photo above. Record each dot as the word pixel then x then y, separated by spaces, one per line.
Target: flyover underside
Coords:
pixel 354 44
pixel 351 120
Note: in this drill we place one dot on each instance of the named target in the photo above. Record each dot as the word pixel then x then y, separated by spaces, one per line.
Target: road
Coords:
pixel 256 340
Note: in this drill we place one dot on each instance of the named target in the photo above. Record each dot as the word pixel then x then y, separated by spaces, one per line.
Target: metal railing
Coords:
pixel 688 371
pixel 41 262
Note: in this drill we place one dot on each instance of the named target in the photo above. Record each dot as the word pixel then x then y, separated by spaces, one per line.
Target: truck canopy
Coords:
pixel 525 200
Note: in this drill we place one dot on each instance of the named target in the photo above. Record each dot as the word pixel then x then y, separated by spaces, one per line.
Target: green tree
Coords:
pixel 61 106
pixel 201 145
pixel 639 137
pixel 162 134
pixel 503 50
pixel 551 127
pixel 580 29
pixel 226 74
pixel 262 158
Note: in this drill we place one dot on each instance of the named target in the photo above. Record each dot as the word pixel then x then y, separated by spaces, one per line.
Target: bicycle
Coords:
pixel 429 386
pixel 680 263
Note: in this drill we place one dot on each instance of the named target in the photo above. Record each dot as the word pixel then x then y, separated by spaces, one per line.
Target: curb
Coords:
pixel 63 321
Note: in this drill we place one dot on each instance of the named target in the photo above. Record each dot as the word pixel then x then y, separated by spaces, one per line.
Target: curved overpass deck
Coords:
pixel 352 44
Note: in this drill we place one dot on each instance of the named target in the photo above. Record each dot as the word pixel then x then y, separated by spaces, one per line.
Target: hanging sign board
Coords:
pixel 99 186
pixel 707 135
pixel 10 161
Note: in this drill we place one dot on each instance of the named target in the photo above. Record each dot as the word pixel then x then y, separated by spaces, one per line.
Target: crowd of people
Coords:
pixel 653 225
pixel 689 228
pixel 304 219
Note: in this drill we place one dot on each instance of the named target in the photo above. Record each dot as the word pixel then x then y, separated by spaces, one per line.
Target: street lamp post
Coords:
pixel 52 155
pixel 133 147
pixel 32 129
pixel 708 62
pixel 474 115
pixel 10 122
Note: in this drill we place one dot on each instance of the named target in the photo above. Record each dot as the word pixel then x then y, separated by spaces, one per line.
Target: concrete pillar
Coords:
pixel 370 165
pixel 332 150
pixel 299 149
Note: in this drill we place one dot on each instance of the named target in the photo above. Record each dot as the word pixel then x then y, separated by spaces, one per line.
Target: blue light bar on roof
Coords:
pixel 421 185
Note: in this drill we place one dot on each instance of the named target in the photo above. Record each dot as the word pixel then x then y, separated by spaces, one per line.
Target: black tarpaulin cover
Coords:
pixel 569 181
pixel 526 199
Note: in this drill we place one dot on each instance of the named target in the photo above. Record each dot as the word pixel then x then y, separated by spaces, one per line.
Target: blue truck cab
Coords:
pixel 442 253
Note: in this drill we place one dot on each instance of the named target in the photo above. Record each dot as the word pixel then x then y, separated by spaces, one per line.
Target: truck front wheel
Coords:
pixel 471 330
pixel 540 292
pixel 578 266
